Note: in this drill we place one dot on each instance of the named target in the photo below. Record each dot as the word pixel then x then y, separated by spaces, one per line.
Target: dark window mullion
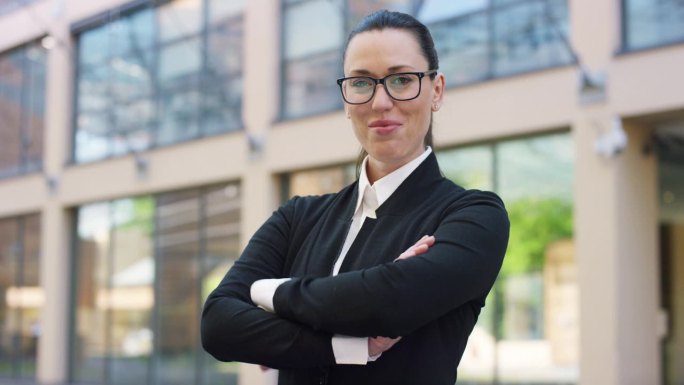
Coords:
pixel 154 79
pixel 110 268
pixel 200 264
pixel 153 362
pixel 491 42
pixel 203 77
pixel 24 104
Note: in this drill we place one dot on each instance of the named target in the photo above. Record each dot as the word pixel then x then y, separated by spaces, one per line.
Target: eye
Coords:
pixel 361 83
pixel 401 80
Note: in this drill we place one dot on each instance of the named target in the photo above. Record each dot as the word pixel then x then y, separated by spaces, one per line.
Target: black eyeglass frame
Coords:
pixel 377 81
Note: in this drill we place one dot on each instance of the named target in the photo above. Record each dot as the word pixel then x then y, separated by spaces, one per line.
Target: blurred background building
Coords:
pixel 142 142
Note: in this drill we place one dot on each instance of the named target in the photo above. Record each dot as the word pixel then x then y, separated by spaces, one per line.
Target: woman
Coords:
pixel 346 288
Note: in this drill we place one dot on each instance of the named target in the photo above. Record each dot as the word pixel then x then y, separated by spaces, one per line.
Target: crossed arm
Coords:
pixel 392 299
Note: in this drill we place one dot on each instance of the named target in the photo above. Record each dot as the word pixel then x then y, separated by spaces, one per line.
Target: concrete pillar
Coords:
pixel 53 350
pixel 595 235
pixel 616 222
pixel 262 24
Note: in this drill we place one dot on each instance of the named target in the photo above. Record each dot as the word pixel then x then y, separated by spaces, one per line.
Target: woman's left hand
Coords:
pixel 418 248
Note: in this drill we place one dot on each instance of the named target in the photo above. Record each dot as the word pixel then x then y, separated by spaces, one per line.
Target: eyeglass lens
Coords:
pixel 398 86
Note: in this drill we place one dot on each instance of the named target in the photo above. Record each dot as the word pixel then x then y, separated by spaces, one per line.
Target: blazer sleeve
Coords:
pixel 234 329
pixel 396 298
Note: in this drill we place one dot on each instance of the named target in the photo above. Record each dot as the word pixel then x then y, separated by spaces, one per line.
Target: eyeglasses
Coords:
pixel 400 86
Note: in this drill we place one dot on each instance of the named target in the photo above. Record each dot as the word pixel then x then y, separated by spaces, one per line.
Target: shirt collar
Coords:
pixel 387 185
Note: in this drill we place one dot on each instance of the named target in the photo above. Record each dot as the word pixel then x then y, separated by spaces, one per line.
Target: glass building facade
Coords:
pixel 476 40
pixel 144 249
pixel 155 75
pixel 651 23
pixel 22 109
pixel 21 296
pixel 144 267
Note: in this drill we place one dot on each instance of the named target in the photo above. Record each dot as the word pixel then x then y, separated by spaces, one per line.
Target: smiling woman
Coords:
pixel 388 274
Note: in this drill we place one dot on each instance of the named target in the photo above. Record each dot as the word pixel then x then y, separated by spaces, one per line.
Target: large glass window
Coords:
pixel 475 39
pixel 21 296
pixel 158 75
pixel 7 6
pixel 144 267
pixel 528 333
pixel 649 23
pixel 22 109
pixel 316 181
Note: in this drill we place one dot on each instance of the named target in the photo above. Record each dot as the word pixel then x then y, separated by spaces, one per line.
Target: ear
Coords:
pixel 346 111
pixel 438 91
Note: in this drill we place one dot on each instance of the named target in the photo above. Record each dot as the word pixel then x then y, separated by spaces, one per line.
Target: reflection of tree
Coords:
pixel 534 224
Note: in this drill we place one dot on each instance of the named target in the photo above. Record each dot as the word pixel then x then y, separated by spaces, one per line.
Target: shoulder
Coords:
pixel 485 203
pixel 313 206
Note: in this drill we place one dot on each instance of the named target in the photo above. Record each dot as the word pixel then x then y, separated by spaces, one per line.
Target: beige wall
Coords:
pixel 615 214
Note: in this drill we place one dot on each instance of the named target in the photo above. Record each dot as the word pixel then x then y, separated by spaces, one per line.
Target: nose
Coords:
pixel 381 100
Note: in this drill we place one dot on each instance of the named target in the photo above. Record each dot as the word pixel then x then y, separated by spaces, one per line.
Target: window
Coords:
pixel 529 330
pixel 160 75
pixel 22 110
pixel 144 267
pixel 7 6
pixel 649 23
pixel 316 181
pixel 21 296
pixel 476 40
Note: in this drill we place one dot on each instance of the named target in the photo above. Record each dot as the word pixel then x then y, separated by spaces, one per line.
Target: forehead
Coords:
pixel 378 51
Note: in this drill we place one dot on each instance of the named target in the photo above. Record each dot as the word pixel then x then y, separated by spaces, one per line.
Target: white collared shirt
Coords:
pixel 382 189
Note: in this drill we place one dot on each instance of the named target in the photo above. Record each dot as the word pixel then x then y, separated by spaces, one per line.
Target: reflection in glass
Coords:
pixel 311 85
pixel 469 167
pixel 530 35
pixel 221 237
pixel 528 332
pixel 22 105
pixel 151 255
pixel 179 114
pixel 180 62
pixel 131 295
pixel 92 304
pixel 21 296
pixel 312 27
pixel 9 250
pixel 357 9
pixel 179 18
pixel 220 10
pixel 178 216
pixel 32 296
pixel 435 10
pixel 653 22
pixel 141 74
pixel 317 181
pixel 538 278
pixel 224 53
pixel 34 128
pixel 132 34
pixel 93 46
pixel 216 117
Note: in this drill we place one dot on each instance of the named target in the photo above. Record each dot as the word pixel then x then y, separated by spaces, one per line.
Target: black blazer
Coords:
pixel 432 300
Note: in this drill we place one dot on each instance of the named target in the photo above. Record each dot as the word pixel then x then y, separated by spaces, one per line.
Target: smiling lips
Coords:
pixel 384 127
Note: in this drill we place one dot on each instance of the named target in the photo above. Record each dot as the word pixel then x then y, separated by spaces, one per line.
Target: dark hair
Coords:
pixel 385 19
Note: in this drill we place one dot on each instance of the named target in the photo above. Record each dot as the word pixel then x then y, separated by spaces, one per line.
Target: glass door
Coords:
pixel 671 196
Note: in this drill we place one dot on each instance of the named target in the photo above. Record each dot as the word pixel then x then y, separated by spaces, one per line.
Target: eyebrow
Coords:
pixel 390 69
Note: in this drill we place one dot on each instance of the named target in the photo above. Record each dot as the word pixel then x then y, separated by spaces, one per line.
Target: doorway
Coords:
pixel 670 149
